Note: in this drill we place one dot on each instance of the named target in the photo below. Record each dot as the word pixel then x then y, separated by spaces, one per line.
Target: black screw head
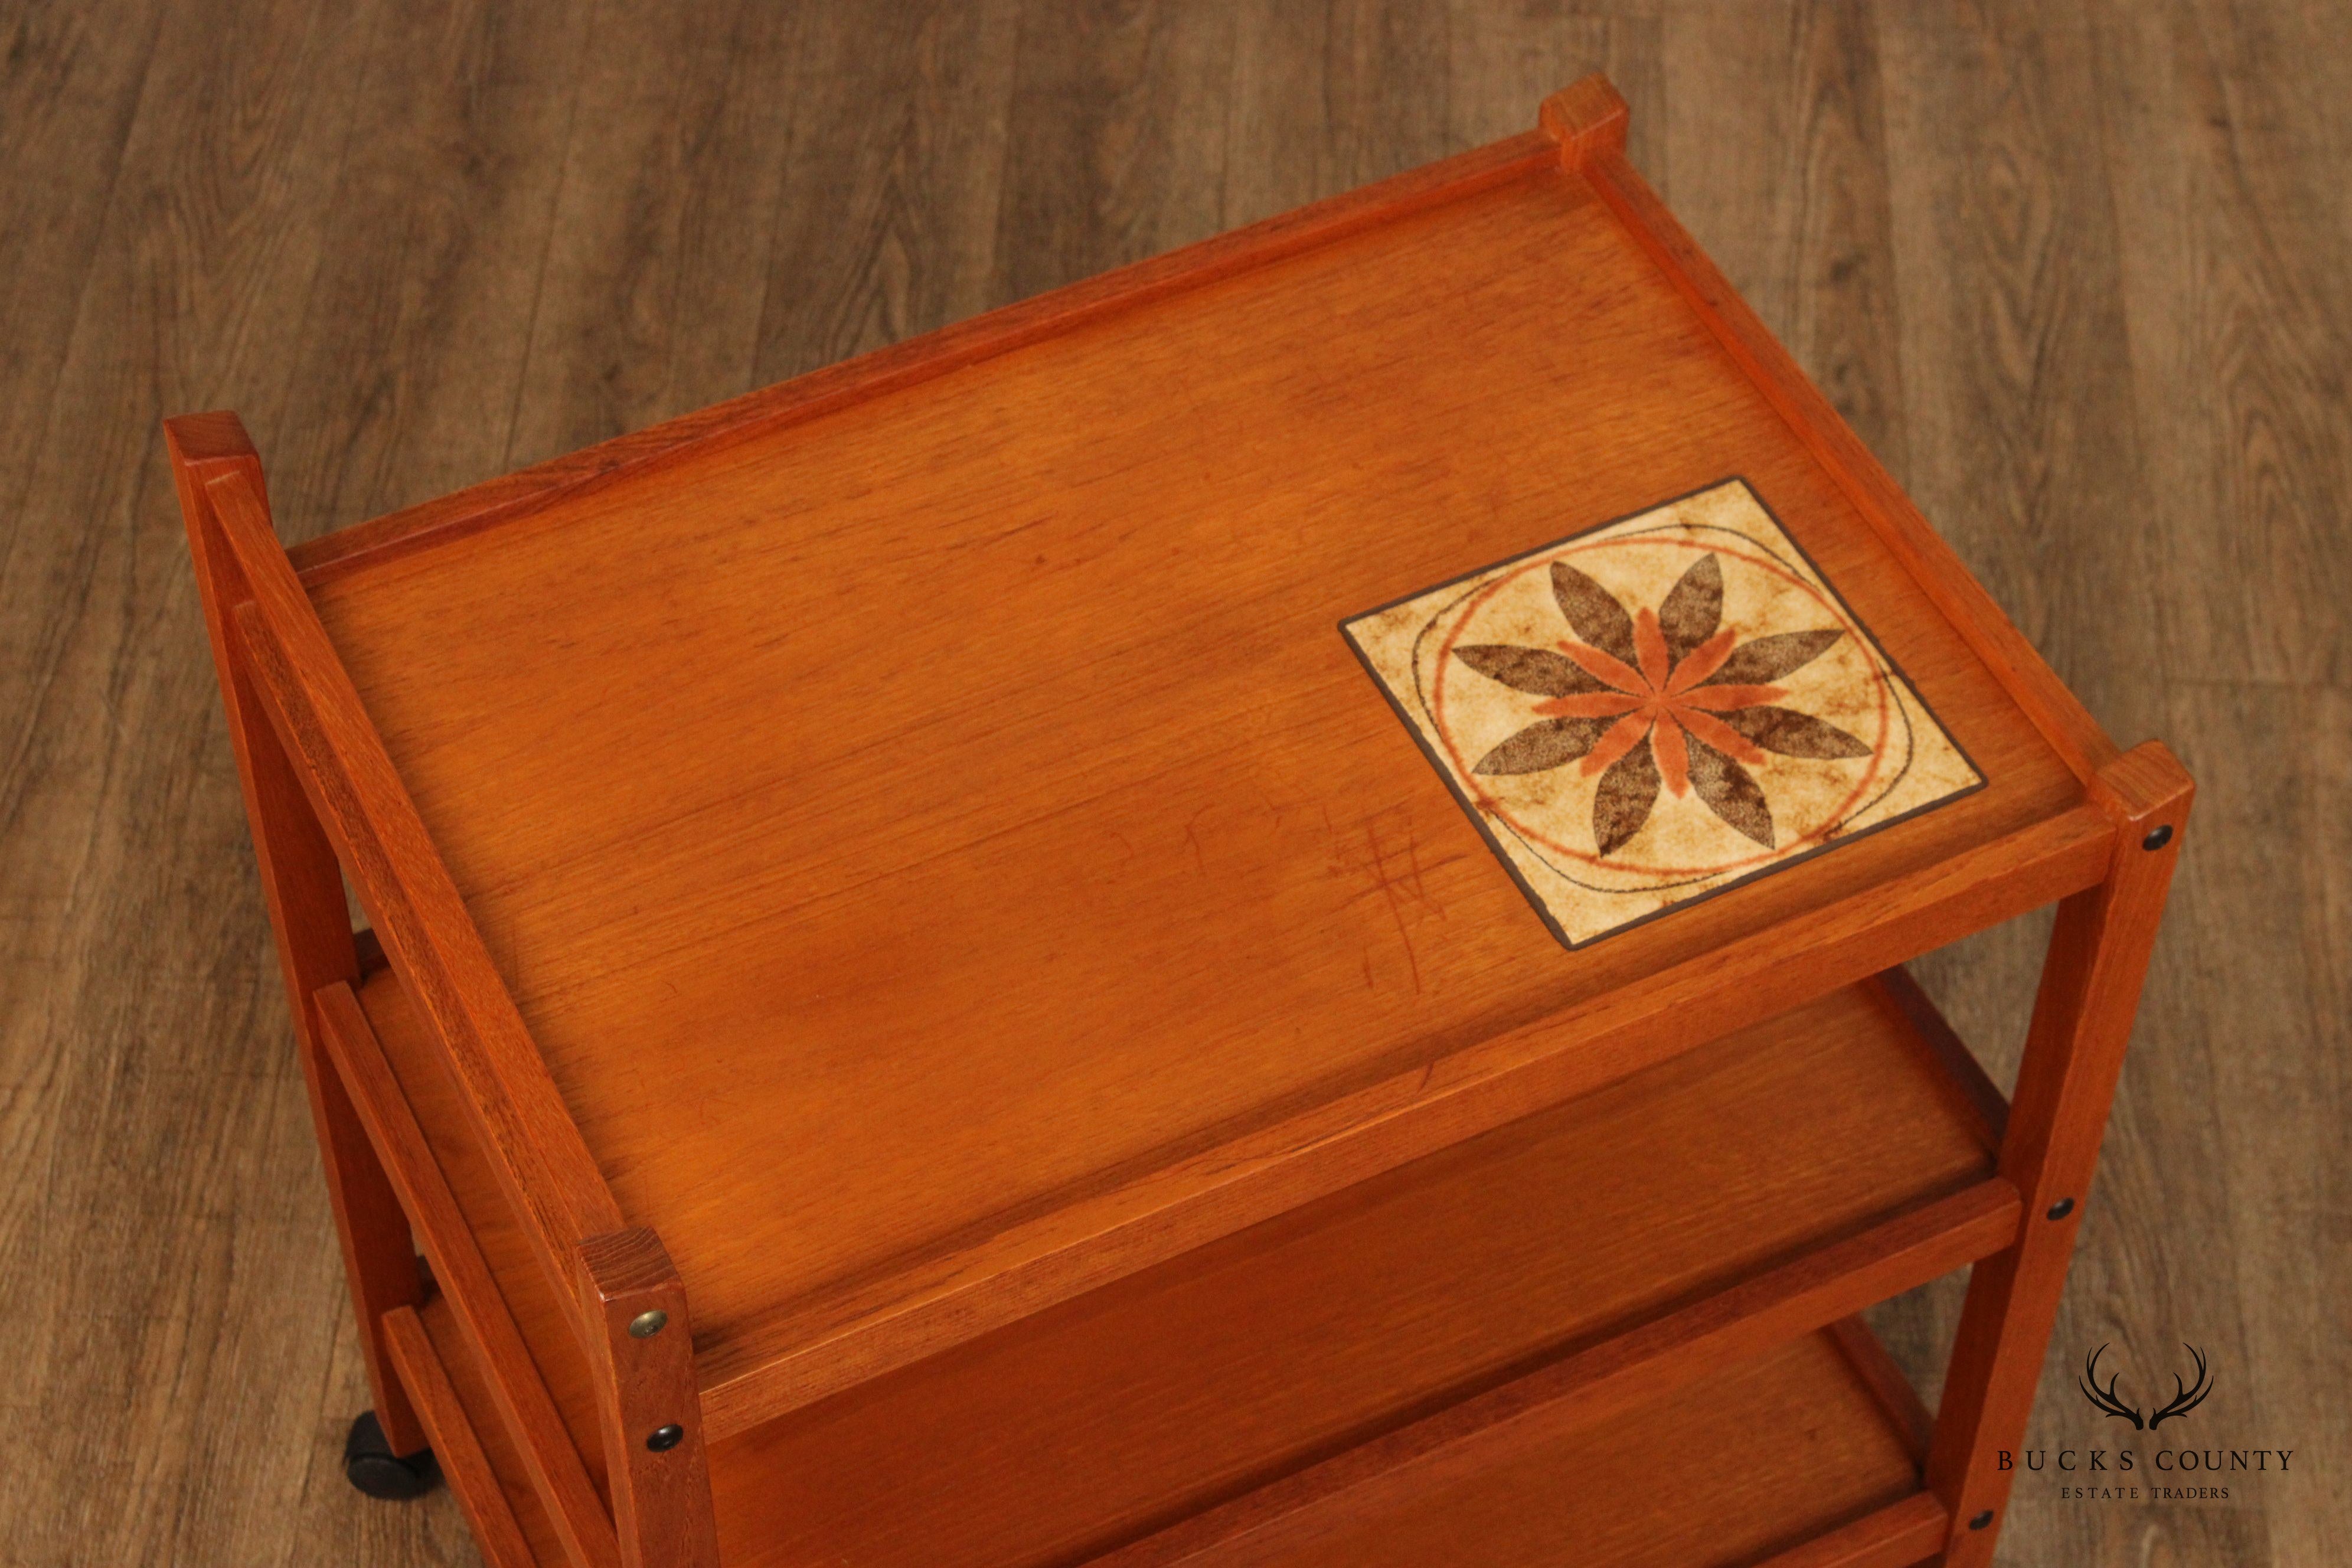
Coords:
pixel 2159 837
pixel 1982 1521
pixel 665 1439
pixel 2062 1208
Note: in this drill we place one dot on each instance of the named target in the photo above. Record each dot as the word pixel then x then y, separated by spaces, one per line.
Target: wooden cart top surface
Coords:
pixel 928 814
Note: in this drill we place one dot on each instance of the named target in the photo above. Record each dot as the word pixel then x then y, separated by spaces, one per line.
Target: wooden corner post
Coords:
pixel 641 1347
pixel 1586 117
pixel 2074 1052
pixel 303 884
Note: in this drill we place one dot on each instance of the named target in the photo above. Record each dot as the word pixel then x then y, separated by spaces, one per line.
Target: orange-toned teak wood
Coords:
pixel 2066 1082
pixel 304 888
pixel 1175 1141
pixel 314 778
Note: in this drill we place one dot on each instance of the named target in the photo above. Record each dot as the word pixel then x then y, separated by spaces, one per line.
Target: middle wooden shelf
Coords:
pixel 1742 1194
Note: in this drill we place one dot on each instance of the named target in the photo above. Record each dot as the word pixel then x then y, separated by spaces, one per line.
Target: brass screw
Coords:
pixel 646 1325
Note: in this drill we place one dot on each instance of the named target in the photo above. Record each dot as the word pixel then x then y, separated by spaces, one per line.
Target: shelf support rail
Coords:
pixel 334 776
pixel 518 1392
pixel 303 887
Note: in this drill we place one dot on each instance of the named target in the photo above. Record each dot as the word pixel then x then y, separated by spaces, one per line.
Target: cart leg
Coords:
pixel 641 1349
pixel 2074 1053
pixel 304 887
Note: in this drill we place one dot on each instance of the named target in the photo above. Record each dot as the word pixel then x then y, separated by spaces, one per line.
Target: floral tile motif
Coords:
pixel 1658 708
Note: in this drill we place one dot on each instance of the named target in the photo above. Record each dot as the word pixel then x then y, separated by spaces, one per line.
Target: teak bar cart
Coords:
pixel 1250 912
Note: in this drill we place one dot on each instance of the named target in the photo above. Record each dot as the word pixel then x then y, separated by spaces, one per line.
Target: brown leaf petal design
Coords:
pixel 1693 608
pixel 1766 659
pixel 1730 791
pixel 1628 790
pixel 1794 734
pixel 1535 669
pixel 1545 744
pixel 1593 611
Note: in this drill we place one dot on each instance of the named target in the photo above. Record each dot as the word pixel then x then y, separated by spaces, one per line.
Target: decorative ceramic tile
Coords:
pixel 1658 708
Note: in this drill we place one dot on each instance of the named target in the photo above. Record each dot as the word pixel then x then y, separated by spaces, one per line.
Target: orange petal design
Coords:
pixel 1649 647
pixel 1715 733
pixel 1673 756
pixel 1623 737
pixel 1724 699
pixel 1780 725
pixel 1702 661
pixel 1615 671
pixel 1590 705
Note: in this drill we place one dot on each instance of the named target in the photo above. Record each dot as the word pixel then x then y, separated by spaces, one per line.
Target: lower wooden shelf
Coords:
pixel 1646 1261
pixel 1760 1186
pixel 1792 1457
pixel 1801 1457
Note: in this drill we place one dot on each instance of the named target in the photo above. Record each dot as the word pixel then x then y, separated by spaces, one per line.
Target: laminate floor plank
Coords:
pixel 410 365
pixel 1782 172
pixel 1116 143
pixel 2241 1060
pixel 665 211
pixel 2020 414
pixel 1502 57
pixel 885 207
pixel 69 90
pixel 2233 227
pixel 162 1187
pixel 2074 269
pixel 1324 99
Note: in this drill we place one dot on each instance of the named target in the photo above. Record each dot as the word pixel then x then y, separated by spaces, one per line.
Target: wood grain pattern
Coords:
pixel 1712 1340
pixel 152 1179
pixel 1897 1536
pixel 1227 1368
pixel 654 1463
pixel 410 349
pixel 2058 1117
pixel 550 1452
pixel 179 235
pixel 303 887
pixel 1323 98
pixel 1899 525
pixel 276 648
pixel 899 133
pixel 2008 249
pixel 657 1007
pixel 1886 1380
pixel 509 1468
pixel 1829 1458
pixel 1785 176
pixel 496 1534
pixel 1178 1385
pixel 1982 1096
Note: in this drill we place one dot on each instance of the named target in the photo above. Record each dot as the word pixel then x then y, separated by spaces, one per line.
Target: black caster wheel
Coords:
pixel 370 1464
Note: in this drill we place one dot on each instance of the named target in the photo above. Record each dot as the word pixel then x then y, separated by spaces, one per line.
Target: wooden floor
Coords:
pixel 2077 270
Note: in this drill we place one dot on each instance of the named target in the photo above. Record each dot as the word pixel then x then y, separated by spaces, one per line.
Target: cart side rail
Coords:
pixel 273 640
